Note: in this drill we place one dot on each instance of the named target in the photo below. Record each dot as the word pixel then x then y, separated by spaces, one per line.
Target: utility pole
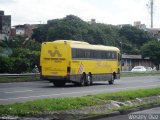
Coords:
pixel 151 13
pixel 150 7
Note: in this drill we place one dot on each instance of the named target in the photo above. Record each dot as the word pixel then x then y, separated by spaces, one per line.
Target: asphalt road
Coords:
pixel 26 91
pixel 150 114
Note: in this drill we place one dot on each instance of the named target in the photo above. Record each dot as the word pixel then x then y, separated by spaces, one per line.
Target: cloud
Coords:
pixel 7 1
pixel 104 11
pixel 43 10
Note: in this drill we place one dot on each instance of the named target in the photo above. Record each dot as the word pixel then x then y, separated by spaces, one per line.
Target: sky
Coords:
pixel 104 11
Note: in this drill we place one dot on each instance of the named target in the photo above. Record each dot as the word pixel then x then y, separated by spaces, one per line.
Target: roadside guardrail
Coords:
pixel 26 77
pixel 22 74
pixel 140 72
pixel 38 74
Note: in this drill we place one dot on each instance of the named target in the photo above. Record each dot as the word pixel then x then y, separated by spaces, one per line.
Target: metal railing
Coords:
pixel 22 74
pixel 38 74
pixel 25 77
pixel 130 72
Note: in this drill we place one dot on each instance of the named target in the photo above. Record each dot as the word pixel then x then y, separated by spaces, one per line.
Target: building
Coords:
pixel 92 21
pixel 13 32
pixel 122 25
pixel 5 25
pixel 129 61
pixel 25 30
pixel 139 25
pixel 155 32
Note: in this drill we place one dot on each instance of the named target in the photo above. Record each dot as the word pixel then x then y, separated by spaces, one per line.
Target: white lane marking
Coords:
pixel 148 82
pixel 19 91
pixel 113 89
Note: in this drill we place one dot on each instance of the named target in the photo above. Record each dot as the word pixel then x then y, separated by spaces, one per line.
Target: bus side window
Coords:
pixel 119 57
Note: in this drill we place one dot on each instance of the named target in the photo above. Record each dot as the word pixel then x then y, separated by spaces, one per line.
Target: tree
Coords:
pixel 6 64
pixel 152 50
pixel 135 35
pixel 27 57
pixel 18 55
pixel 73 28
pixel 40 34
pixel 20 65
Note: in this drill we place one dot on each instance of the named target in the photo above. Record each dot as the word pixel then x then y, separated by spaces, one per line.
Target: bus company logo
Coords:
pixel 54 52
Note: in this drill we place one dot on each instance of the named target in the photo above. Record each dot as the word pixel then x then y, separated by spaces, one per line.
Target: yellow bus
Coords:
pixel 79 62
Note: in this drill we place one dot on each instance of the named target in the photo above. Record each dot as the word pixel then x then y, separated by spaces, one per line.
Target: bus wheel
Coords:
pixel 112 80
pixel 59 83
pixel 83 80
pixel 89 79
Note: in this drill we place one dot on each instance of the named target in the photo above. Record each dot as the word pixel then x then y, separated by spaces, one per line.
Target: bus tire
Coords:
pixel 83 80
pixel 59 83
pixel 89 79
pixel 111 82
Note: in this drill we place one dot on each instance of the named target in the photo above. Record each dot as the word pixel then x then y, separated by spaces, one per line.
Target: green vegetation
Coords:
pixel 20 54
pixel 151 49
pixel 72 27
pixel 132 74
pixel 7 79
pixel 56 104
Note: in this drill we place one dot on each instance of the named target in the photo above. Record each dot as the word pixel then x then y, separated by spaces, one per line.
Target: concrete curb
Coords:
pixel 121 112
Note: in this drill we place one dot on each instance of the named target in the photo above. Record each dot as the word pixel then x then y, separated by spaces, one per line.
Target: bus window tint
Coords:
pixel 93 54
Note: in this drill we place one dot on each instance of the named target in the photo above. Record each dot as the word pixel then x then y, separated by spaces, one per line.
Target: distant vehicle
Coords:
pixel 149 69
pixel 79 62
pixel 154 69
pixel 139 69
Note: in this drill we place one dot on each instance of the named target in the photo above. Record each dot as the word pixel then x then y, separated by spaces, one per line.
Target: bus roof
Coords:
pixel 70 42
pixel 86 45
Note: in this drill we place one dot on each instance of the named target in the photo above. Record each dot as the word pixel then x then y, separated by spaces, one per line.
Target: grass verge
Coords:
pixel 50 105
pixel 140 74
pixel 7 79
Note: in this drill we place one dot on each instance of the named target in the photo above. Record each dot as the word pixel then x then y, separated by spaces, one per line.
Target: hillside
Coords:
pixel 72 27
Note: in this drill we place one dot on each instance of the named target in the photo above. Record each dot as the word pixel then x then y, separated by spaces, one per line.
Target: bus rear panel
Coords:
pixel 54 60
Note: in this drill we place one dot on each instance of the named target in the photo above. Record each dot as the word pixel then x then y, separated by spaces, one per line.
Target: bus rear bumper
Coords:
pixel 52 78
pixel 69 78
